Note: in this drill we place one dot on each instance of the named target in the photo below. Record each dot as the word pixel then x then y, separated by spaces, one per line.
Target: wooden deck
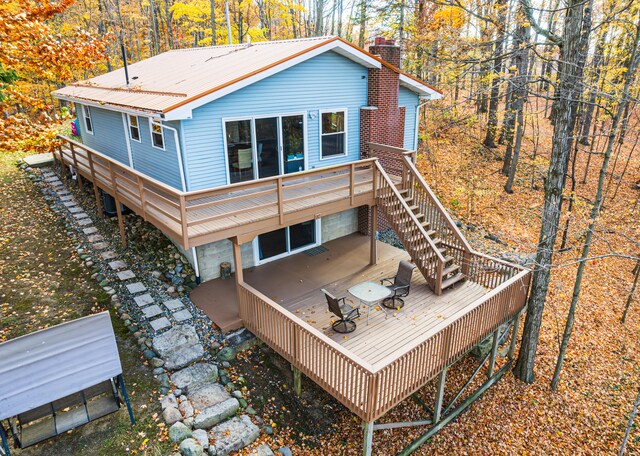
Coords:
pixel 241 210
pixel 384 333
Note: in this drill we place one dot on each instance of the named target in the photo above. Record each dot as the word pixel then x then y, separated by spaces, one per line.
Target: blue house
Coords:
pixel 207 118
pixel 282 161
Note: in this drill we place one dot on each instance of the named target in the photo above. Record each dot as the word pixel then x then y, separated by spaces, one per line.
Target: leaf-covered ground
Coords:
pixel 43 283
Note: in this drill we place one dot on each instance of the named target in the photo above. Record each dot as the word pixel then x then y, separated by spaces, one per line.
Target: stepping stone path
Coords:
pixel 179 347
pixel 137 287
pixel 160 323
pixel 126 275
pixel 143 300
pixel 152 311
pixel 118 264
pixel 208 412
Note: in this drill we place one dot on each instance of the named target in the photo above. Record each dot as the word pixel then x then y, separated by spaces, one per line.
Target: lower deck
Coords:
pixel 295 282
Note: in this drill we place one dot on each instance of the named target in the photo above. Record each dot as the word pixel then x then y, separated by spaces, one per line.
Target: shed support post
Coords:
pixel 96 193
pixel 297 381
pixel 373 255
pixel 368 437
pixel 494 351
pixel 126 399
pixel 123 237
pixel 437 410
pixel 5 443
pixel 514 335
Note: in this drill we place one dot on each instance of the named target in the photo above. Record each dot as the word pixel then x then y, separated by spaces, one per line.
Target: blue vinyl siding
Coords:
pixel 109 138
pixel 325 82
pixel 410 101
pixel 159 164
pixel 108 133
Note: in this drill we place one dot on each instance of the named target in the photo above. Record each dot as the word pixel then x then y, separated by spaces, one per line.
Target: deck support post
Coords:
pixel 368 437
pixel 437 411
pixel 123 236
pixel 237 261
pixel 514 335
pixel 373 254
pixel 494 351
pixel 297 381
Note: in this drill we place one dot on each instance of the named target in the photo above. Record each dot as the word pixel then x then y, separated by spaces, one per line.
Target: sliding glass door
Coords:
pixel 282 242
pixel 264 147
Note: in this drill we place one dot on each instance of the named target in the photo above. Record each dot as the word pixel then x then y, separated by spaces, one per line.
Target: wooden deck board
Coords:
pixel 422 315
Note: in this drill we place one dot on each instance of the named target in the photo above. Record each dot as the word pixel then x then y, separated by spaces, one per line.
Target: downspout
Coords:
pixel 184 187
pixel 415 139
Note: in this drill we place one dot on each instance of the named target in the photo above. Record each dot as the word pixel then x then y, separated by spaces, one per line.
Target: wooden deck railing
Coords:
pixel 369 391
pixel 202 216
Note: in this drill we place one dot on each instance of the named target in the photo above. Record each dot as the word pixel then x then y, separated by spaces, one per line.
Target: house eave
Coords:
pixel 110 107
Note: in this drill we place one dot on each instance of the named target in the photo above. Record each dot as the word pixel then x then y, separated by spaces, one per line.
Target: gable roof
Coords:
pixel 172 84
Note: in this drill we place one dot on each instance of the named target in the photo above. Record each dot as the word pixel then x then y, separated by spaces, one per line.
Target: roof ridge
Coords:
pixel 255 43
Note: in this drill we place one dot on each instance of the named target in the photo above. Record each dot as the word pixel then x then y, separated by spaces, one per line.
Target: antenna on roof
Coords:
pixel 124 59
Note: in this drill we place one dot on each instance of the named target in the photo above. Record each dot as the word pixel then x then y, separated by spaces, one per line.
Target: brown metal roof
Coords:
pixel 175 78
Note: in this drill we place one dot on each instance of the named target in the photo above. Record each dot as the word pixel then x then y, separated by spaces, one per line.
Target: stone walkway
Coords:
pixel 204 414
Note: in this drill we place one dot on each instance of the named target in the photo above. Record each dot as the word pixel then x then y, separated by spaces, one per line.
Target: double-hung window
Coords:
pixel 333 133
pixel 134 128
pixel 157 138
pixel 88 124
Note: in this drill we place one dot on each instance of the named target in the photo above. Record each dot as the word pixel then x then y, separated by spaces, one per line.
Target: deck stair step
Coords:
pixel 453 280
pixel 414 228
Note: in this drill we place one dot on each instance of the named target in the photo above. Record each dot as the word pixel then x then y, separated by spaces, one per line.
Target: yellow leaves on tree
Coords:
pixel 38 60
pixel 447 17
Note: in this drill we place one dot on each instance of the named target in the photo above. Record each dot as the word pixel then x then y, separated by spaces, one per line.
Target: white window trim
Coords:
pixel 346 133
pixel 164 143
pixel 254 146
pixel 139 140
pixel 256 247
pixel 86 112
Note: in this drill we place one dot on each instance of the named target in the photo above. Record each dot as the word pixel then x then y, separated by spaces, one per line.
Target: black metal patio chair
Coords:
pixel 399 285
pixel 346 313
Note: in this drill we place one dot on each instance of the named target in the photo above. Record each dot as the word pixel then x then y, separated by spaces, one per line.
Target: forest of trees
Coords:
pixel 514 69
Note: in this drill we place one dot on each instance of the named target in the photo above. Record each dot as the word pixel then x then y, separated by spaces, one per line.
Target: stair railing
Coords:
pixel 411 232
pixel 439 218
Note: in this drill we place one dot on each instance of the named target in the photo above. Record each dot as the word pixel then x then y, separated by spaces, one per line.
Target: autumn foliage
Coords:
pixel 35 59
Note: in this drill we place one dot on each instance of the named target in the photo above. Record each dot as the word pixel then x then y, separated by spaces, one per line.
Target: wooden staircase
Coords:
pixel 426 231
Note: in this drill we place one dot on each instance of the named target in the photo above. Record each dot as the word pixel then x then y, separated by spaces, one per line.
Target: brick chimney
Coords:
pixel 382 121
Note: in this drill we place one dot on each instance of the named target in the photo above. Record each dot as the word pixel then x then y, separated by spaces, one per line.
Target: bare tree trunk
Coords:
pixel 214 41
pixel 595 211
pixel 596 64
pixel 319 17
pixel 494 97
pixel 631 293
pixel 363 22
pixel 575 45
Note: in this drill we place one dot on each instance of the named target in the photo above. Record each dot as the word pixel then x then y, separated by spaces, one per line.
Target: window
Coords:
pixel 333 134
pixel 134 129
pixel 156 135
pixel 87 119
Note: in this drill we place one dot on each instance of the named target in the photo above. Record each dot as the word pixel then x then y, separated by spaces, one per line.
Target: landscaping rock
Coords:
pixel 192 377
pixel 201 436
pixel 216 414
pixel 178 432
pixel 186 409
pixel 208 396
pixel 180 346
pixel 285 451
pixel 263 450
pixel 169 401
pixel 157 362
pixel 191 447
pixel 227 354
pixel 171 415
pixel 233 435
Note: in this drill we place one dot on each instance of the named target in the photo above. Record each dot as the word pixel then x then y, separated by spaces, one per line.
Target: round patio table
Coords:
pixel 370 293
